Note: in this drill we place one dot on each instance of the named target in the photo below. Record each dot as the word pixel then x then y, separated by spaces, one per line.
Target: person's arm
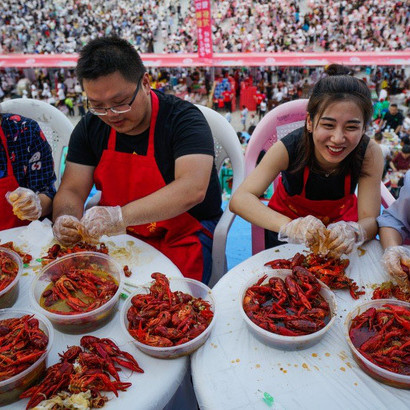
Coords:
pixel 46 204
pixel 368 195
pixel 74 189
pixel 398 129
pixel 245 201
pixel 192 174
pixel 390 237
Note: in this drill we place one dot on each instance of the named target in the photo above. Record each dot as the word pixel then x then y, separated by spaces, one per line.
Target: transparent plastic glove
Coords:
pixel 66 230
pixel 103 220
pixel 26 204
pixel 308 230
pixel 343 237
pixel 396 261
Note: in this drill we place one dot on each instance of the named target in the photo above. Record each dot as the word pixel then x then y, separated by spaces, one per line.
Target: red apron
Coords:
pixel 124 177
pixel 328 211
pixel 8 184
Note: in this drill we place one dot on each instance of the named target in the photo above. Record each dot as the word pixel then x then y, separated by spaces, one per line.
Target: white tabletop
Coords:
pixel 233 369
pixel 150 390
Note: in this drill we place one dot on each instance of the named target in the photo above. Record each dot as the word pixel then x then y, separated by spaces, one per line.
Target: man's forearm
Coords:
pixel 67 203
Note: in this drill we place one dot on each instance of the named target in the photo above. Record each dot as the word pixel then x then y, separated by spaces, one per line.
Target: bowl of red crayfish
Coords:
pixel 25 342
pixel 378 334
pixel 287 309
pixel 169 317
pixel 11 269
pixel 78 292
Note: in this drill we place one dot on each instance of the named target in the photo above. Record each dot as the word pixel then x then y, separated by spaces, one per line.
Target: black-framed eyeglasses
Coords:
pixel 117 109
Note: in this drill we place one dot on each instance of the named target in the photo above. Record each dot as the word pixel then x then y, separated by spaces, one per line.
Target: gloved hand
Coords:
pixel 343 237
pixel 396 261
pixel 308 230
pixel 103 220
pixel 67 229
pixel 26 204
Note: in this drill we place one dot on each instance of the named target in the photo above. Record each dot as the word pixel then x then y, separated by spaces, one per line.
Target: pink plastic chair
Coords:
pixel 275 125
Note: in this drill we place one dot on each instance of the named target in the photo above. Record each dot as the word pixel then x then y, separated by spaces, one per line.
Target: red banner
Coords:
pixel 381 58
pixel 204 28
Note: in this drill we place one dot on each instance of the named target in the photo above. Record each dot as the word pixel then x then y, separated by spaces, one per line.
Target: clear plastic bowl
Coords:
pixel 385 376
pixel 82 322
pixel 11 388
pixel 9 294
pixel 286 342
pixel 192 287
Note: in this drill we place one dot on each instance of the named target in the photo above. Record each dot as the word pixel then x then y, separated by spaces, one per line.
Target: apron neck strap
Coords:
pixel 4 142
pixel 347 183
pixel 154 114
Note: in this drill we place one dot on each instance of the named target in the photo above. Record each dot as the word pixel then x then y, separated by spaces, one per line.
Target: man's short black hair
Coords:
pixel 106 55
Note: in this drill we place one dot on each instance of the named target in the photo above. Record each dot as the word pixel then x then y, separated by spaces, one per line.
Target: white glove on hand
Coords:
pixel 66 230
pixel 307 230
pixel 393 258
pixel 103 220
pixel 343 237
pixel 26 204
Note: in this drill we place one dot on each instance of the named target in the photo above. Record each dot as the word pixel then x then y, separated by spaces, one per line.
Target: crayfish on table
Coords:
pixel 85 368
pixel 290 307
pixel 8 270
pixel 382 335
pixel 26 257
pixel 389 290
pixel 331 272
pixel 163 318
pixel 22 343
pixel 78 290
pixel 57 251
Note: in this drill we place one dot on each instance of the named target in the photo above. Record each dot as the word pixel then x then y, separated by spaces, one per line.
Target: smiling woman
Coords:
pixel 321 165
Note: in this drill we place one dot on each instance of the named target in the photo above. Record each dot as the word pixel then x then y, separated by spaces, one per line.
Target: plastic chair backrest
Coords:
pixel 55 125
pixel 276 124
pixel 227 145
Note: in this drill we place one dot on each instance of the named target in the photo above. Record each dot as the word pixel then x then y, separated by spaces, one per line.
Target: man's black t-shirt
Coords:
pixel 393 121
pixel 181 129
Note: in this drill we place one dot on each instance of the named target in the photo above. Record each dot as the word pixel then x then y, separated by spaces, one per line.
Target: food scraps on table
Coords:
pixel 331 272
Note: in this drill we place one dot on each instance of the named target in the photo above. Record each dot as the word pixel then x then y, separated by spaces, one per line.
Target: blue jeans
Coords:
pixel 207 242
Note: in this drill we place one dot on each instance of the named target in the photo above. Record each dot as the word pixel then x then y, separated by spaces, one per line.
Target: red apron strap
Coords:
pixel 348 180
pixel 4 142
pixel 305 178
pixel 112 139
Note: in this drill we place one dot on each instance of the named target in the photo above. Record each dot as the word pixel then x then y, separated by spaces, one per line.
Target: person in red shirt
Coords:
pixel 259 97
pixel 227 95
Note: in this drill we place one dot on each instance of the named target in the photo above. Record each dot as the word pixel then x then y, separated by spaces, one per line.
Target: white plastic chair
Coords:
pixel 55 125
pixel 226 145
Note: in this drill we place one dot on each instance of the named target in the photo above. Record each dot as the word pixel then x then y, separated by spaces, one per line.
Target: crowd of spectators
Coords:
pixel 64 26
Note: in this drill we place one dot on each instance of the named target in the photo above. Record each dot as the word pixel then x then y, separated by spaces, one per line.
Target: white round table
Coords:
pixel 233 369
pixel 161 378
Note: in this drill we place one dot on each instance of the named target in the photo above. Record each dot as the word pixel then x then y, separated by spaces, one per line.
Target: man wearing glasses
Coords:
pixel 150 154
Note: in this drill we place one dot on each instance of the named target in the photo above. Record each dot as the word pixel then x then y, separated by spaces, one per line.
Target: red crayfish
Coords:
pixel 388 290
pixel 81 290
pixel 290 307
pixel 26 257
pixel 22 342
pixel 8 270
pixel 56 251
pixel 331 272
pixel 164 318
pixel 88 367
pixel 383 337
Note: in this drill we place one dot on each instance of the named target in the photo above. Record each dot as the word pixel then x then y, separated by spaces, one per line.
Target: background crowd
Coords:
pixel 45 26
